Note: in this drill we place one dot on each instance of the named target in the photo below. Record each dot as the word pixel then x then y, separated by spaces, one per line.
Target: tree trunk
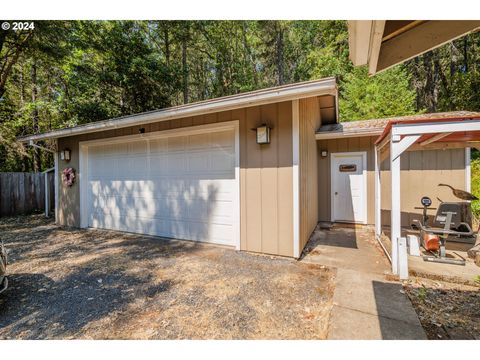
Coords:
pixel 443 78
pixel 184 63
pixel 250 57
pixel 279 57
pixel 429 82
pixel 36 151
pixel 166 40
pixel 417 84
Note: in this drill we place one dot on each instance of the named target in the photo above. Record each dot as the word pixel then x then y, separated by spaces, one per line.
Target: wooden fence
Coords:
pixel 24 193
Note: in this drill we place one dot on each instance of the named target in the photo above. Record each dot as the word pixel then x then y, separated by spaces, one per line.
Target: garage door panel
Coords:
pixel 176 144
pixel 180 187
pixel 158 146
pixel 222 162
pixel 176 163
pixel 222 139
pixel 199 142
pixel 197 162
pixel 137 147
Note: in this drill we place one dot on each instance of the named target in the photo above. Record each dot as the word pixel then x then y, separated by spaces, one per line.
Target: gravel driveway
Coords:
pixel 108 285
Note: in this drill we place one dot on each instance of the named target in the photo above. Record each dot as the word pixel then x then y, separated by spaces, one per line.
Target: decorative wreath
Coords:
pixel 68 176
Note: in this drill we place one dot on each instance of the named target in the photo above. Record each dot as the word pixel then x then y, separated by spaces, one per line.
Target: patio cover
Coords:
pixel 417 133
pixel 381 44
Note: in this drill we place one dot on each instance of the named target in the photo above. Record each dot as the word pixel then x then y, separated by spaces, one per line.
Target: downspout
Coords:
pixel 31 143
pixel 55 168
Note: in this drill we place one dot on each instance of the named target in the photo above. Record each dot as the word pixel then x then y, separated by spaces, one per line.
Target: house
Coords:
pixel 256 171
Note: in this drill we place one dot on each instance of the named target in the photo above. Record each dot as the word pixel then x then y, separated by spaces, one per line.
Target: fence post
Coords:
pixel 47 195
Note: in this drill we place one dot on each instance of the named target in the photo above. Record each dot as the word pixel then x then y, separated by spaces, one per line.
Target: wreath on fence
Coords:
pixel 68 176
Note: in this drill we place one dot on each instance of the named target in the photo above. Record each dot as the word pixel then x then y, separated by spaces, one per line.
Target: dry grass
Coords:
pixel 106 285
pixel 446 310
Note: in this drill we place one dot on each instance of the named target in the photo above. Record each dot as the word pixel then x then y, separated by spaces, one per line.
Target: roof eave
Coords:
pixel 325 86
pixel 325 135
pixel 392 123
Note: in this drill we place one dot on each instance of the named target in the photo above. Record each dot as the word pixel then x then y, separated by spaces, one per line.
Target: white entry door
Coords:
pixel 349 187
pixel 183 185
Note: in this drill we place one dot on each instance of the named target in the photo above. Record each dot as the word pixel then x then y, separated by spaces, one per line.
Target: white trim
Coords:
pixel 363 154
pixel 378 193
pixel 434 138
pixel 236 197
pixel 305 89
pixel 55 182
pixel 395 224
pixel 468 169
pixel 296 177
pixel 402 145
pixel 435 127
pixel 188 130
pixel 215 127
pixel 323 135
pixel 375 45
pixel 359 40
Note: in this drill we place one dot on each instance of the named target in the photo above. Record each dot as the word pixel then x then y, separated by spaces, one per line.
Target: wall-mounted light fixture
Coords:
pixel 65 154
pixel 263 134
pixel 324 153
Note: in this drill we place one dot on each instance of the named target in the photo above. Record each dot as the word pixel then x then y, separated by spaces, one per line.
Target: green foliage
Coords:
pixel 475 170
pixel 422 293
pixel 67 73
pixel 386 94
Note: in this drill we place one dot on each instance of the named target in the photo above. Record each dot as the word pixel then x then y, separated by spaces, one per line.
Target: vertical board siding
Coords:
pixel 309 122
pixel 24 193
pixel 266 195
pixel 421 172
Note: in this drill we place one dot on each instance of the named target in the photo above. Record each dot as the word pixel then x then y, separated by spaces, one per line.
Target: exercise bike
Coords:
pixel 452 222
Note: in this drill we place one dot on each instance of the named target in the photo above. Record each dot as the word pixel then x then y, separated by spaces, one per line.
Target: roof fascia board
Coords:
pixel 291 92
pixel 420 39
pixel 325 135
pixel 375 45
pixel 359 40
pixel 433 128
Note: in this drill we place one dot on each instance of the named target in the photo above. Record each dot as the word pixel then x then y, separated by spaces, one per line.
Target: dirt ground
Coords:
pixel 87 284
pixel 446 310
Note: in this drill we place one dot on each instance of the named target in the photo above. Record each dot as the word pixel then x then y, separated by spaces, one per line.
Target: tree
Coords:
pixel 67 73
pixel 386 94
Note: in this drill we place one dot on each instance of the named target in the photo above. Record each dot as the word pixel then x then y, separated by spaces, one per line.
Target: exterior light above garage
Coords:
pixel 65 154
pixel 263 134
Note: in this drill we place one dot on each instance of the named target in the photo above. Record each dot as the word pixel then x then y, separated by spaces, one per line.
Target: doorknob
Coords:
pixel 336 193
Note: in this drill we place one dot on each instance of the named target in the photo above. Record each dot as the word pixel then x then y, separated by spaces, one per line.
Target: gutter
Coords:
pixel 31 143
pixel 325 135
pixel 260 97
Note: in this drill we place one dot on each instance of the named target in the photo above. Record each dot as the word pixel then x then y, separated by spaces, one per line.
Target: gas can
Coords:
pixel 431 242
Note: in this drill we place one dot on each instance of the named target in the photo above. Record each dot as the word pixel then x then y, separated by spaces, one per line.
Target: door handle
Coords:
pixel 336 193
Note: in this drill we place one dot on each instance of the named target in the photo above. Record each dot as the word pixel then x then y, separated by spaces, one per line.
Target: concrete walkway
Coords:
pixel 366 305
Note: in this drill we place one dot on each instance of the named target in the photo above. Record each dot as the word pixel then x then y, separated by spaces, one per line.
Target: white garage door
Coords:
pixel 177 186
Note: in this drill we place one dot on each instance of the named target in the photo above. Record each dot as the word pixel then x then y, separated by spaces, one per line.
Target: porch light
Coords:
pixel 263 134
pixel 65 154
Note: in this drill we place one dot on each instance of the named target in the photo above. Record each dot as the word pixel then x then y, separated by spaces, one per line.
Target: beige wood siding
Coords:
pixel 421 171
pixel 266 195
pixel 309 122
